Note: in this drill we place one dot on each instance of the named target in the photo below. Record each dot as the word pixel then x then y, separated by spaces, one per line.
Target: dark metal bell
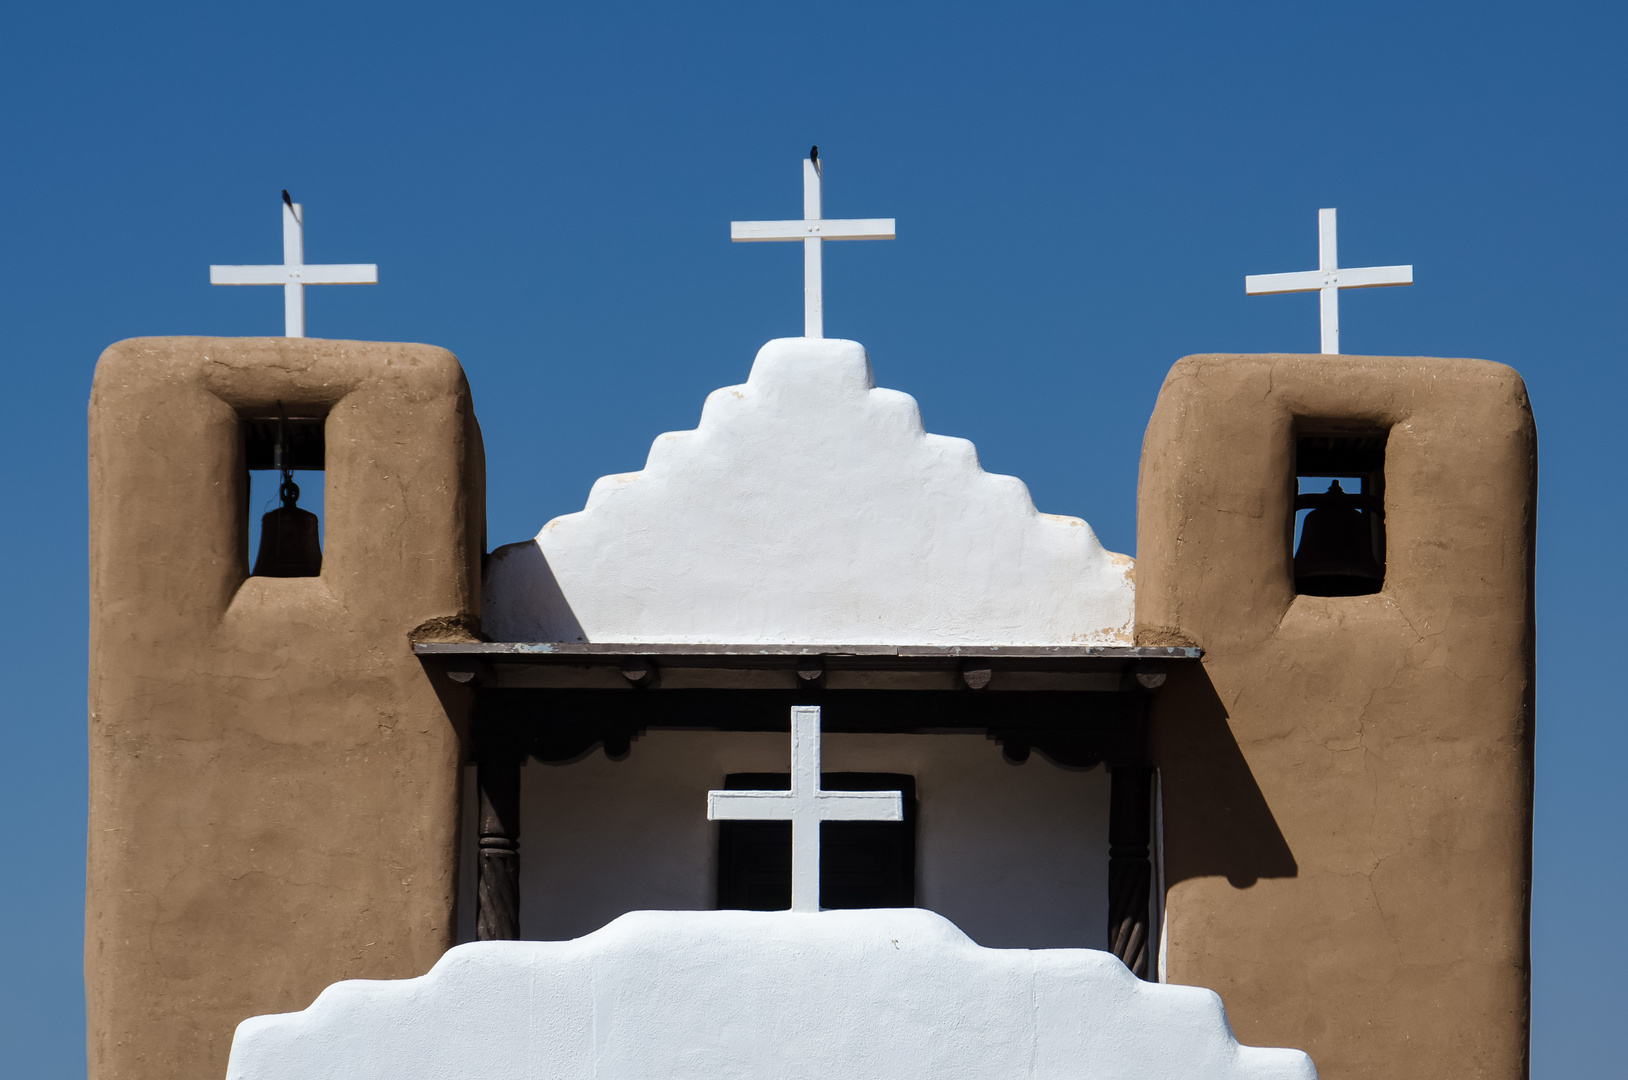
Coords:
pixel 1336 555
pixel 289 541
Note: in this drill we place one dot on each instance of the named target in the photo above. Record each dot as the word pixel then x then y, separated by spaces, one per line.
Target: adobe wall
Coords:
pixel 273 777
pixel 1347 782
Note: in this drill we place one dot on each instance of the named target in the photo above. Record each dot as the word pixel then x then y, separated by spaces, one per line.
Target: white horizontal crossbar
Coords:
pixel 861 806
pixel 314 274
pixel 1362 277
pixel 826 805
pixel 1368 277
pixel 750 806
pixel 1300 281
pixel 817 228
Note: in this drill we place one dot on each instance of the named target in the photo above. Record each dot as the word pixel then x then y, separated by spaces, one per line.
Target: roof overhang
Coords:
pixel 631 665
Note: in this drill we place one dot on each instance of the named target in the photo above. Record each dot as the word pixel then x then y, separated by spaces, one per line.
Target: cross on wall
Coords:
pixel 805 806
pixel 1328 279
pixel 813 230
pixel 295 274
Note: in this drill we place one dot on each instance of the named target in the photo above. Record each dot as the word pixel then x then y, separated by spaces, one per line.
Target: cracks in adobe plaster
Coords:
pixel 1422 636
pixel 1243 960
pixel 1254 514
pixel 1367 877
pixel 405 521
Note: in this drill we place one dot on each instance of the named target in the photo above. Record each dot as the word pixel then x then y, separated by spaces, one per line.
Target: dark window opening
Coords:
pixel 1339 526
pixel 285 458
pixel 863 864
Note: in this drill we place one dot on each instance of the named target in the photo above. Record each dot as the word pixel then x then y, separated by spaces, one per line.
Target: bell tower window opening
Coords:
pixel 1339 512
pixel 285 455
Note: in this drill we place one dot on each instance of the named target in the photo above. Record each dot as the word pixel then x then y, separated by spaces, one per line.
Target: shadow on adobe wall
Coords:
pixel 1216 820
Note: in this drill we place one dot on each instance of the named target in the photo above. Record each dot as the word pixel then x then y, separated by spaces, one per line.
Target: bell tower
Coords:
pixel 1346 780
pixel 273 777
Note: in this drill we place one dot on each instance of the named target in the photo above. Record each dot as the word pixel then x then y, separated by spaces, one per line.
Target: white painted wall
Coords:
pixel 1015 855
pixel 809 506
pixel 738 995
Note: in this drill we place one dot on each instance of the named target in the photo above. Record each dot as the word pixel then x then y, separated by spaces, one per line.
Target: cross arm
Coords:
pixel 314 274
pixel 1301 281
pixel 1368 277
pixel 813 229
pixel 1361 277
pixel 748 805
pixel 861 806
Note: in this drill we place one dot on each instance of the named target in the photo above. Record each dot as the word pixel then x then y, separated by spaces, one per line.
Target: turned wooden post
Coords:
pixel 1130 871
pixel 497 891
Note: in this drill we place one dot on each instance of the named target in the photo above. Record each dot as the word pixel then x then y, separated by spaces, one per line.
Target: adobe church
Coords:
pixel 811 748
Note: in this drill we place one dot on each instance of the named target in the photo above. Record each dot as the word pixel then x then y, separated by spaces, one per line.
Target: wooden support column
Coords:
pixel 1130 871
pixel 497 890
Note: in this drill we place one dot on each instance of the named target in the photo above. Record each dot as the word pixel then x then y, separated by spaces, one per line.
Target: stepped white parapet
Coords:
pixel 809 506
pixel 891 994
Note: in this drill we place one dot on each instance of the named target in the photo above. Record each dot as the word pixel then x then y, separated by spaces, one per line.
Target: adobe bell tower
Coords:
pixel 273 778
pixel 1347 780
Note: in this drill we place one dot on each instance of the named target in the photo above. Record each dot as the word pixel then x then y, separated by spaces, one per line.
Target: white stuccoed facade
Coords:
pixel 883 994
pixel 810 506
pixel 807 507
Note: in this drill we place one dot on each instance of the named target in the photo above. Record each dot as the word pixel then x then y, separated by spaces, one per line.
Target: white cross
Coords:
pixel 294 275
pixel 805 806
pixel 1328 279
pixel 813 230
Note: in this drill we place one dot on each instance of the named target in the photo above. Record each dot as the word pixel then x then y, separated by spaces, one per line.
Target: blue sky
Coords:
pixel 1080 190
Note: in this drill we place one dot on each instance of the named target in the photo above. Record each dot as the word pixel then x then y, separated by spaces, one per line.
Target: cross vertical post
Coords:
pixel 805 828
pixel 813 254
pixel 294 275
pixel 813 230
pixel 1328 279
pixel 293 256
pixel 1328 297
pixel 805 806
